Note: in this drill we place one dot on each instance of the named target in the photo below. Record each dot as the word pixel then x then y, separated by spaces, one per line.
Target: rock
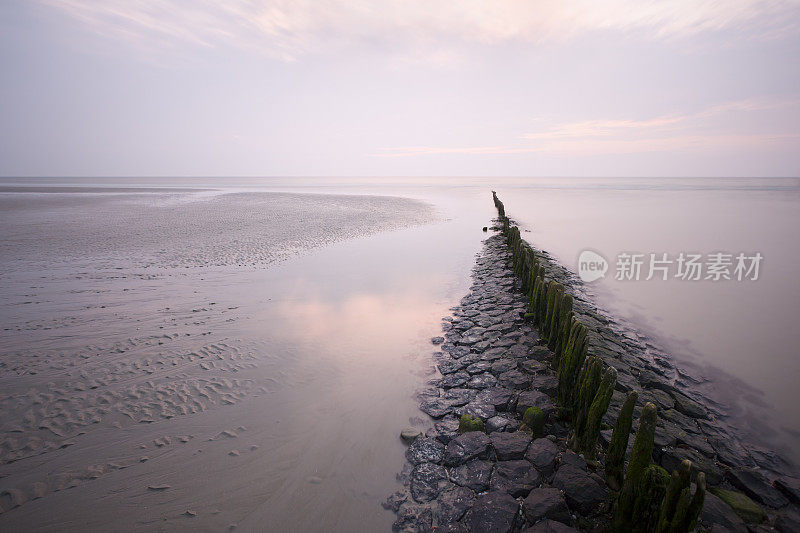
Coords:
pixel 532 366
pixel 569 458
pixel 542 454
pixel 755 485
pixel 516 478
pixel 550 526
pixel 453 504
pixel 427 481
pixel 650 380
pixel 747 509
pixel 503 365
pixel 459 396
pixel 477 409
pixel 479 368
pixel 425 450
pixel 788 520
pixel 715 511
pixel 436 407
pixel 449 366
pixel 413 518
pixel 474 475
pixel 582 492
pixel 466 447
pixel 546 502
pixel 437 340
pixel 494 512
pixel 689 407
pixel 534 398
pixel 514 379
pixel 497 423
pixel 499 397
pixel 790 487
pixel 671 459
pixel 482 381
pixel 409 434
pixel 509 446
pixel 394 501
pixel 541 354
pixel 546 383
pixel 445 429
pixel 456 379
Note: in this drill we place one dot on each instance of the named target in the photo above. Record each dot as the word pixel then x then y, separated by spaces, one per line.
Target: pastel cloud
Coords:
pixel 289 29
pixel 728 126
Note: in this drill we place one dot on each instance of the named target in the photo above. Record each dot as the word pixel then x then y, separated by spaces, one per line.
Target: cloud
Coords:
pixel 289 29
pixel 725 126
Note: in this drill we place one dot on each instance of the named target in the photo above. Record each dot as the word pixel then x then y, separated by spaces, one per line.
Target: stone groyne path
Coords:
pixel 550 417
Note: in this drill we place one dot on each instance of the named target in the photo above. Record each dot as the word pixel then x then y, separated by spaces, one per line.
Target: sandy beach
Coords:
pixel 156 381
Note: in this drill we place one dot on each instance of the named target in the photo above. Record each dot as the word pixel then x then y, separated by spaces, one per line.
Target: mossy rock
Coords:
pixel 470 423
pixel 747 509
pixel 534 420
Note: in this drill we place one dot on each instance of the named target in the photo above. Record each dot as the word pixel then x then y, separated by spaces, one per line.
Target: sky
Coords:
pixel 400 88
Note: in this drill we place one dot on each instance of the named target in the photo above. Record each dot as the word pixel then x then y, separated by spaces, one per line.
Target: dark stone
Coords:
pixel 533 398
pixel 790 487
pixel 425 450
pixel 453 504
pixel 788 520
pixel 546 383
pixel 514 379
pixel 532 366
pixel 457 352
pixel 541 353
pixel 729 451
pixel 394 501
pixel 458 397
pixel 457 379
pixel 474 475
pixel 650 380
pixel 755 485
pixel 436 407
pixel 494 512
pixel 479 368
pixel 448 366
pixel 698 443
pixel 437 340
pixel 583 493
pixel 482 410
pixel 482 381
pixel 546 502
pixel 542 454
pixel 550 526
pixel 516 478
pixel 689 407
pixel 518 351
pixel 413 518
pixel 509 446
pixel 427 481
pixel 503 365
pixel 569 458
pixel 466 447
pixel 671 459
pixel 445 429
pixel 716 511
pixel 497 423
pixel 497 396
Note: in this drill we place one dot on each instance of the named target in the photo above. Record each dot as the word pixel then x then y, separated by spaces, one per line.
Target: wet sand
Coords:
pixel 146 392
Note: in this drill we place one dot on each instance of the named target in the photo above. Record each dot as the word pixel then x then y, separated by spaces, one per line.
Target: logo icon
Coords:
pixel 591 266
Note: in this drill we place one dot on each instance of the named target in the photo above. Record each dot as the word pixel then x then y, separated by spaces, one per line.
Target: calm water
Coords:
pixel 320 308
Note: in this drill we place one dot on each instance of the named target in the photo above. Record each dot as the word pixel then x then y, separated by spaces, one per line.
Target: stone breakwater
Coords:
pixel 533 415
